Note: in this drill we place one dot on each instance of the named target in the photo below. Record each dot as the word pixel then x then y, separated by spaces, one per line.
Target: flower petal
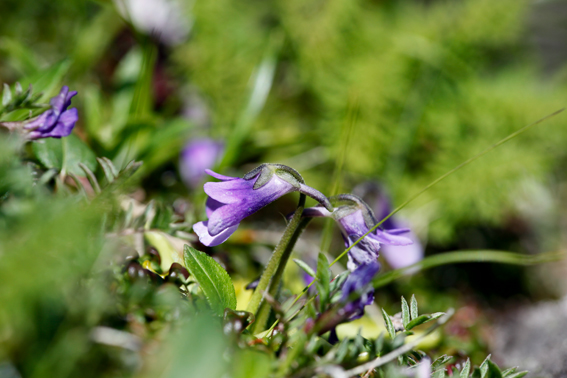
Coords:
pixel 242 200
pixel 391 237
pixel 65 124
pixel 212 205
pixel 209 240
pixel 219 176
pixel 402 256
pixel 234 190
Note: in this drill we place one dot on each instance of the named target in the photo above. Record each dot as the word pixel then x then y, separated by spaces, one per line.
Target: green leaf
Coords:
pixel 108 169
pixel 493 370
pixel 339 280
pixel 484 367
pixel 440 362
pixel 509 371
pixel 466 369
pixel 413 306
pixel 418 321
pixel 212 278
pixel 65 154
pixel 519 374
pixel 435 315
pixel 442 373
pixel 389 324
pixel 6 95
pixel 306 268
pixel 323 279
pixel 405 312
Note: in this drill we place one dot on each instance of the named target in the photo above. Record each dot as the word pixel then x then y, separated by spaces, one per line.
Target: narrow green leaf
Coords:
pixel 113 169
pixel 106 169
pixel 440 362
pixel 465 372
pixel 79 184
pixel 405 312
pixel 413 306
pixel 212 278
pixel 18 89
pixel 92 179
pixel 342 350
pixel 323 279
pixel 306 268
pixel 339 280
pixel 484 367
pixel 493 370
pixel 517 375
pixel 435 315
pixel 509 371
pixel 6 95
pixel 441 373
pixel 418 321
pixel 379 344
pixel 389 324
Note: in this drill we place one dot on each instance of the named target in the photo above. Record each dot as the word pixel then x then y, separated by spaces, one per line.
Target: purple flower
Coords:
pixel 397 256
pixel 196 157
pixel 233 199
pixel 56 122
pixel 358 282
pixel 355 219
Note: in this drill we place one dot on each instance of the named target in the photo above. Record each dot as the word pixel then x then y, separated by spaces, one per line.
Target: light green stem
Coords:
pixel 276 259
pixel 467 257
pixel 264 311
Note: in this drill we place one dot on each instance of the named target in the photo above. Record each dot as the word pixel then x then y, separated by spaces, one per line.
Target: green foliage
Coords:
pixel 65 154
pixel 97 281
pixel 212 279
pixel 323 277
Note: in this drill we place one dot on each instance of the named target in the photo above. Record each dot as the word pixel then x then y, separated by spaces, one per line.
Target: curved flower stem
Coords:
pixel 276 260
pixel 264 311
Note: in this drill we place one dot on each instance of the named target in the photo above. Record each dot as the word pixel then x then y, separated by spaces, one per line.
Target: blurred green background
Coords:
pixel 407 89
pixel 346 92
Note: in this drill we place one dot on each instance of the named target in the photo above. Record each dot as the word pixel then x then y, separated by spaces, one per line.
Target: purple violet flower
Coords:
pixel 196 157
pixel 56 122
pixel 355 219
pixel 358 282
pixel 396 256
pixel 233 199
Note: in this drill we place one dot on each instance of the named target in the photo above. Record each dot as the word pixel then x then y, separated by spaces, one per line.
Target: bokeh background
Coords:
pixel 353 94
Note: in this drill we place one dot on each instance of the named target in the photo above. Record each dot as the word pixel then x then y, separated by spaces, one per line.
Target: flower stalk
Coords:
pixel 272 274
pixel 264 310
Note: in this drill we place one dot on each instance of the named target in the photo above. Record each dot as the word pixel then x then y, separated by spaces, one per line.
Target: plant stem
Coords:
pixel 264 311
pixel 468 256
pixel 276 259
